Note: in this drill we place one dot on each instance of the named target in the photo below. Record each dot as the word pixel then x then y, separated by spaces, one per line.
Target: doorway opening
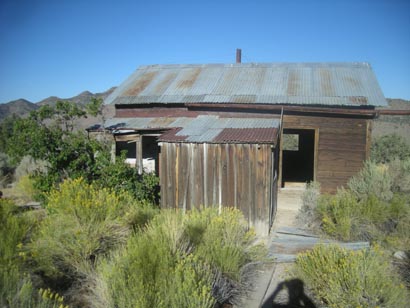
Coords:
pixel 150 154
pixel 298 156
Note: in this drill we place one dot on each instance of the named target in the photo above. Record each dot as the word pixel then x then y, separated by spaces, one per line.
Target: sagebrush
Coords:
pixel 342 278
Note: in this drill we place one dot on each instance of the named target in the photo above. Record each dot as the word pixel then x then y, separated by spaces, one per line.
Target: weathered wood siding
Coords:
pixel 341 148
pixel 219 175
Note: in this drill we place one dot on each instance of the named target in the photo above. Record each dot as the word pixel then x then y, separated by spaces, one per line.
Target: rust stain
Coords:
pixel 243 99
pixel 353 82
pixel 359 100
pixel 325 82
pixel 247 135
pixel 163 85
pixel 170 135
pixel 140 84
pixel 293 83
pixel 189 78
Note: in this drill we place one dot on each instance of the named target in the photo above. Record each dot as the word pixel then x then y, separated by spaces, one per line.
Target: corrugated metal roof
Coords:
pixel 203 128
pixel 341 84
pixel 247 135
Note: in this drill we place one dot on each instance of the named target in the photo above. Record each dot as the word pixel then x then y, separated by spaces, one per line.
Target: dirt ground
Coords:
pixel 271 276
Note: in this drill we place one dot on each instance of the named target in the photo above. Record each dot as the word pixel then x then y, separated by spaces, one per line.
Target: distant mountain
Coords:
pixel 82 99
pixel 22 107
pixel 18 107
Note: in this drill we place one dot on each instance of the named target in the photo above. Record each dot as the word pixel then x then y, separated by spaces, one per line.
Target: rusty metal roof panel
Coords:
pixel 208 128
pixel 252 83
pixel 247 135
pixel 203 128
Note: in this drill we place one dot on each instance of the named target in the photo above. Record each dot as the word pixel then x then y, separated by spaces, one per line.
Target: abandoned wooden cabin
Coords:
pixel 232 134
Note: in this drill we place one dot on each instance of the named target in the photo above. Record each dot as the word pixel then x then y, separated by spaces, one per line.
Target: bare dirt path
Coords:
pixel 271 275
pixel 272 287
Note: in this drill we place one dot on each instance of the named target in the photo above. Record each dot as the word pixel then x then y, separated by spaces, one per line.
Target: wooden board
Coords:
pixel 218 175
pixel 341 148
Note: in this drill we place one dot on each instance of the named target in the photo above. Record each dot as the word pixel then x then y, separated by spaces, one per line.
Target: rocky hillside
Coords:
pixel 22 107
pixel 18 107
pixel 387 124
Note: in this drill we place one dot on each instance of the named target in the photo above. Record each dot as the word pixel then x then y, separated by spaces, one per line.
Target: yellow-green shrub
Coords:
pixel 24 189
pixel 372 180
pixel 16 289
pixel 190 260
pixel 346 217
pixel 342 278
pixel 83 224
pixel 223 242
pixel 155 269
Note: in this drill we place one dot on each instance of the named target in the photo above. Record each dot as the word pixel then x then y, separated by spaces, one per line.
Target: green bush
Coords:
pixel 119 175
pixel 83 223
pixel 16 288
pixel 30 166
pixel 341 278
pixel 24 190
pixel 373 180
pixel 399 171
pixel 388 148
pixel 346 217
pixel 177 260
pixel 226 253
pixel 6 170
pixel 307 215
pixel 156 270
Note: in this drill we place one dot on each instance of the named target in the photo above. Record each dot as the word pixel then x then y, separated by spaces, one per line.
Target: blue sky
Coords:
pixel 62 48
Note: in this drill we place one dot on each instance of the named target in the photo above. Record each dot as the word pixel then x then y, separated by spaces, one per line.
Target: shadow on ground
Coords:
pixel 296 296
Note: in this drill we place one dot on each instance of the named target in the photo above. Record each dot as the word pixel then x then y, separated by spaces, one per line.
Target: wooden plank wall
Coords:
pixel 218 175
pixel 341 148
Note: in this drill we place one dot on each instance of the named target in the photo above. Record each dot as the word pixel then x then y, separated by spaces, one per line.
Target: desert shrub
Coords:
pixel 16 288
pixel 307 215
pixel 341 278
pixel 397 230
pixel 155 269
pixel 224 241
pixel 84 223
pixel 12 232
pixel 373 180
pixel 346 217
pixel 388 148
pixel 6 170
pixel 29 166
pixel 176 260
pixel 338 213
pixel 226 253
pixel 137 217
pixel 24 190
pixel 191 284
pixel 399 171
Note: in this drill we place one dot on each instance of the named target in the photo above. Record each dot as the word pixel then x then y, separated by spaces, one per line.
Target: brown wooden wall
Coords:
pixel 342 145
pixel 218 175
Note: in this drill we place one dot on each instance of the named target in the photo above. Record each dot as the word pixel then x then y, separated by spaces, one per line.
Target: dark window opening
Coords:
pixel 127 146
pixel 150 154
pixel 298 155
